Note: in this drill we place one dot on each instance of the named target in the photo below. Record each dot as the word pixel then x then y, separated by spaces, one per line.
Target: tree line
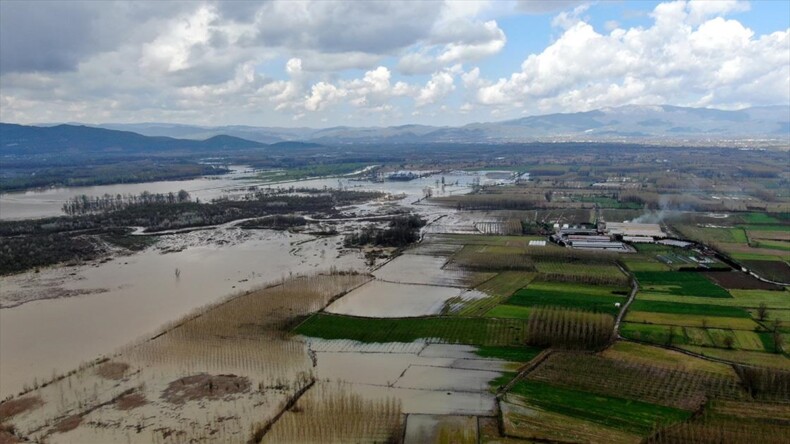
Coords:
pixel 84 204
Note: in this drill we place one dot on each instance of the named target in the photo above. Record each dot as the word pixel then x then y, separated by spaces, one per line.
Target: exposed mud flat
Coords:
pixel 212 377
pixel 114 302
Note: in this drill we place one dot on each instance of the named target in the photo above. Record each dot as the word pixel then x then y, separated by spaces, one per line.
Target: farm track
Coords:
pixel 624 310
pixel 524 371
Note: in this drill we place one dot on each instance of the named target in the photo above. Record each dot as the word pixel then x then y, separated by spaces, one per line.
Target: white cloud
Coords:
pixel 321 95
pixel 171 51
pixel 439 86
pixel 673 61
pixel 268 63
pixel 475 50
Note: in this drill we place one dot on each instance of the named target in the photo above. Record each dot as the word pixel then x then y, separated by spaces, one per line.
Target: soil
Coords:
pixel 67 424
pixel 204 386
pixel 13 407
pixel 774 270
pixel 739 280
pixel 7 437
pixel 112 370
pixel 131 401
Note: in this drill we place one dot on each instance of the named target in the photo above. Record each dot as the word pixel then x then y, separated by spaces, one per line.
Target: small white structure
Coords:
pixel 537 243
pixel 617 304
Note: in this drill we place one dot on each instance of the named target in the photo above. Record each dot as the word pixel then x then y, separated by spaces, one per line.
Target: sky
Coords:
pixel 375 63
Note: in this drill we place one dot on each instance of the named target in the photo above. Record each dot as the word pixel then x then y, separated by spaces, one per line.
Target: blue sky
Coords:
pixel 325 63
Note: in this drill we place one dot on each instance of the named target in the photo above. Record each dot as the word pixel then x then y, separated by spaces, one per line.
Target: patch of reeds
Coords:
pixel 730 431
pixel 332 413
pixel 568 328
pixel 483 261
pixel 617 279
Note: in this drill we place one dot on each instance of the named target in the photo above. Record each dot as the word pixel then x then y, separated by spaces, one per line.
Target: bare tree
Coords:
pixel 777 336
pixel 671 335
pixel 762 312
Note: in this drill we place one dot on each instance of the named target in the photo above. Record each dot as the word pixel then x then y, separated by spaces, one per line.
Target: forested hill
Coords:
pixel 64 139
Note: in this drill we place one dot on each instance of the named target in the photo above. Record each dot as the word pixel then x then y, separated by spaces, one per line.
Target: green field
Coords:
pixel 636 353
pixel 576 269
pixel 680 284
pixel 752 257
pixel 509 311
pixel 587 297
pixel 638 264
pixel 500 287
pixel 506 283
pixel 759 218
pixel 471 331
pixel 698 336
pixel 684 320
pixel 741 298
pixel 513 354
pixel 773 244
pixel 689 309
pixel 743 356
pixel 633 416
pixel 656 334
pixel 531 298
pixel 766 227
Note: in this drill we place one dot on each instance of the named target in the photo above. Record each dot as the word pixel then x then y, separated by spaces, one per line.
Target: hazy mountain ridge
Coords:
pixel 631 121
pixel 22 139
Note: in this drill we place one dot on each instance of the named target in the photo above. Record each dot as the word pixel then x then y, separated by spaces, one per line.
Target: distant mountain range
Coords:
pixel 63 139
pixel 628 123
pixel 625 124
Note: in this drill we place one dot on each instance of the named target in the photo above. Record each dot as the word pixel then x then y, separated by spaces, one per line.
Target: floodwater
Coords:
pixel 380 299
pixel 138 294
pixel 49 202
pixel 111 303
pixel 424 384
pixel 420 269
pixel 35 204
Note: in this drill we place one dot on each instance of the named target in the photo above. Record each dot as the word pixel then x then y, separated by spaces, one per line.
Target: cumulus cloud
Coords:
pixel 440 85
pixel 677 60
pixel 268 63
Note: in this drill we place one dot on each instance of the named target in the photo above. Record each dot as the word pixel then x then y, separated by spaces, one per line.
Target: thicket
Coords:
pixel 400 232
pixel 84 204
pixel 276 222
pixel 769 384
pixel 567 328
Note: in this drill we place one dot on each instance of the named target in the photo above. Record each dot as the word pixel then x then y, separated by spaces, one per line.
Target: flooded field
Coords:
pixel 49 202
pixel 425 383
pixel 132 296
pixel 390 300
pixel 56 319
